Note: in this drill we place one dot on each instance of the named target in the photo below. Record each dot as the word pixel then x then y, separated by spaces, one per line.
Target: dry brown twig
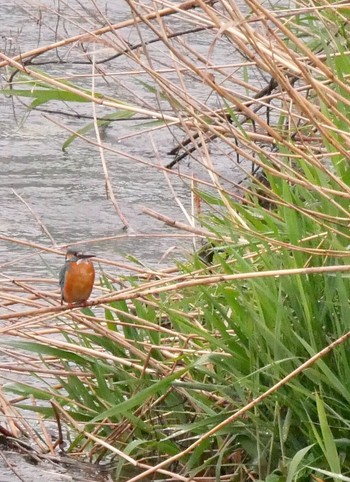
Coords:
pixel 144 291
pixel 109 187
pixel 78 38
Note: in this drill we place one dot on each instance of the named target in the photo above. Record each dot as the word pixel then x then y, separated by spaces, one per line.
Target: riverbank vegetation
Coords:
pixel 232 365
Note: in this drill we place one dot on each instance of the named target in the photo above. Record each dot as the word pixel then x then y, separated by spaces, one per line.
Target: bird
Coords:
pixel 76 277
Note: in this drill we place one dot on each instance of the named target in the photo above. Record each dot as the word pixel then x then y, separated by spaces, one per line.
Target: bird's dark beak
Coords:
pixel 86 256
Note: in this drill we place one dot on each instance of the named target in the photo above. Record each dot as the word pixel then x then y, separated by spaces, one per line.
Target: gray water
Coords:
pixel 66 190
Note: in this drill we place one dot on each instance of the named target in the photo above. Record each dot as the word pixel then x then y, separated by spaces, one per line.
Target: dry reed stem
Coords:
pixel 103 443
pixel 17 422
pixel 270 241
pixel 309 107
pixel 36 217
pixel 38 369
pixel 275 172
pixel 92 324
pixel 93 352
pixel 109 186
pixel 119 264
pixel 137 159
pixel 143 291
pixel 11 467
pixel 96 33
pixel 100 101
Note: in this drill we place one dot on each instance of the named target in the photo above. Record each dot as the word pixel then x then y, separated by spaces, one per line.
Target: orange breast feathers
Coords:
pixel 78 281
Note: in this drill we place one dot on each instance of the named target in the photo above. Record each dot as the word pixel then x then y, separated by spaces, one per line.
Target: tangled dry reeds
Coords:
pixel 231 370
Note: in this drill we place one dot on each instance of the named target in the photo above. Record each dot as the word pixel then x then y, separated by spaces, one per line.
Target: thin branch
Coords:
pixel 109 187
pixel 132 293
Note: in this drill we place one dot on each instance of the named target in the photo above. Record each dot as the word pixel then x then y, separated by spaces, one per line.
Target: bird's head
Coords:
pixel 73 254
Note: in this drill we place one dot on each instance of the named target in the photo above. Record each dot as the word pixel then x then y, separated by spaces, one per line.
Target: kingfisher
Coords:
pixel 77 277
